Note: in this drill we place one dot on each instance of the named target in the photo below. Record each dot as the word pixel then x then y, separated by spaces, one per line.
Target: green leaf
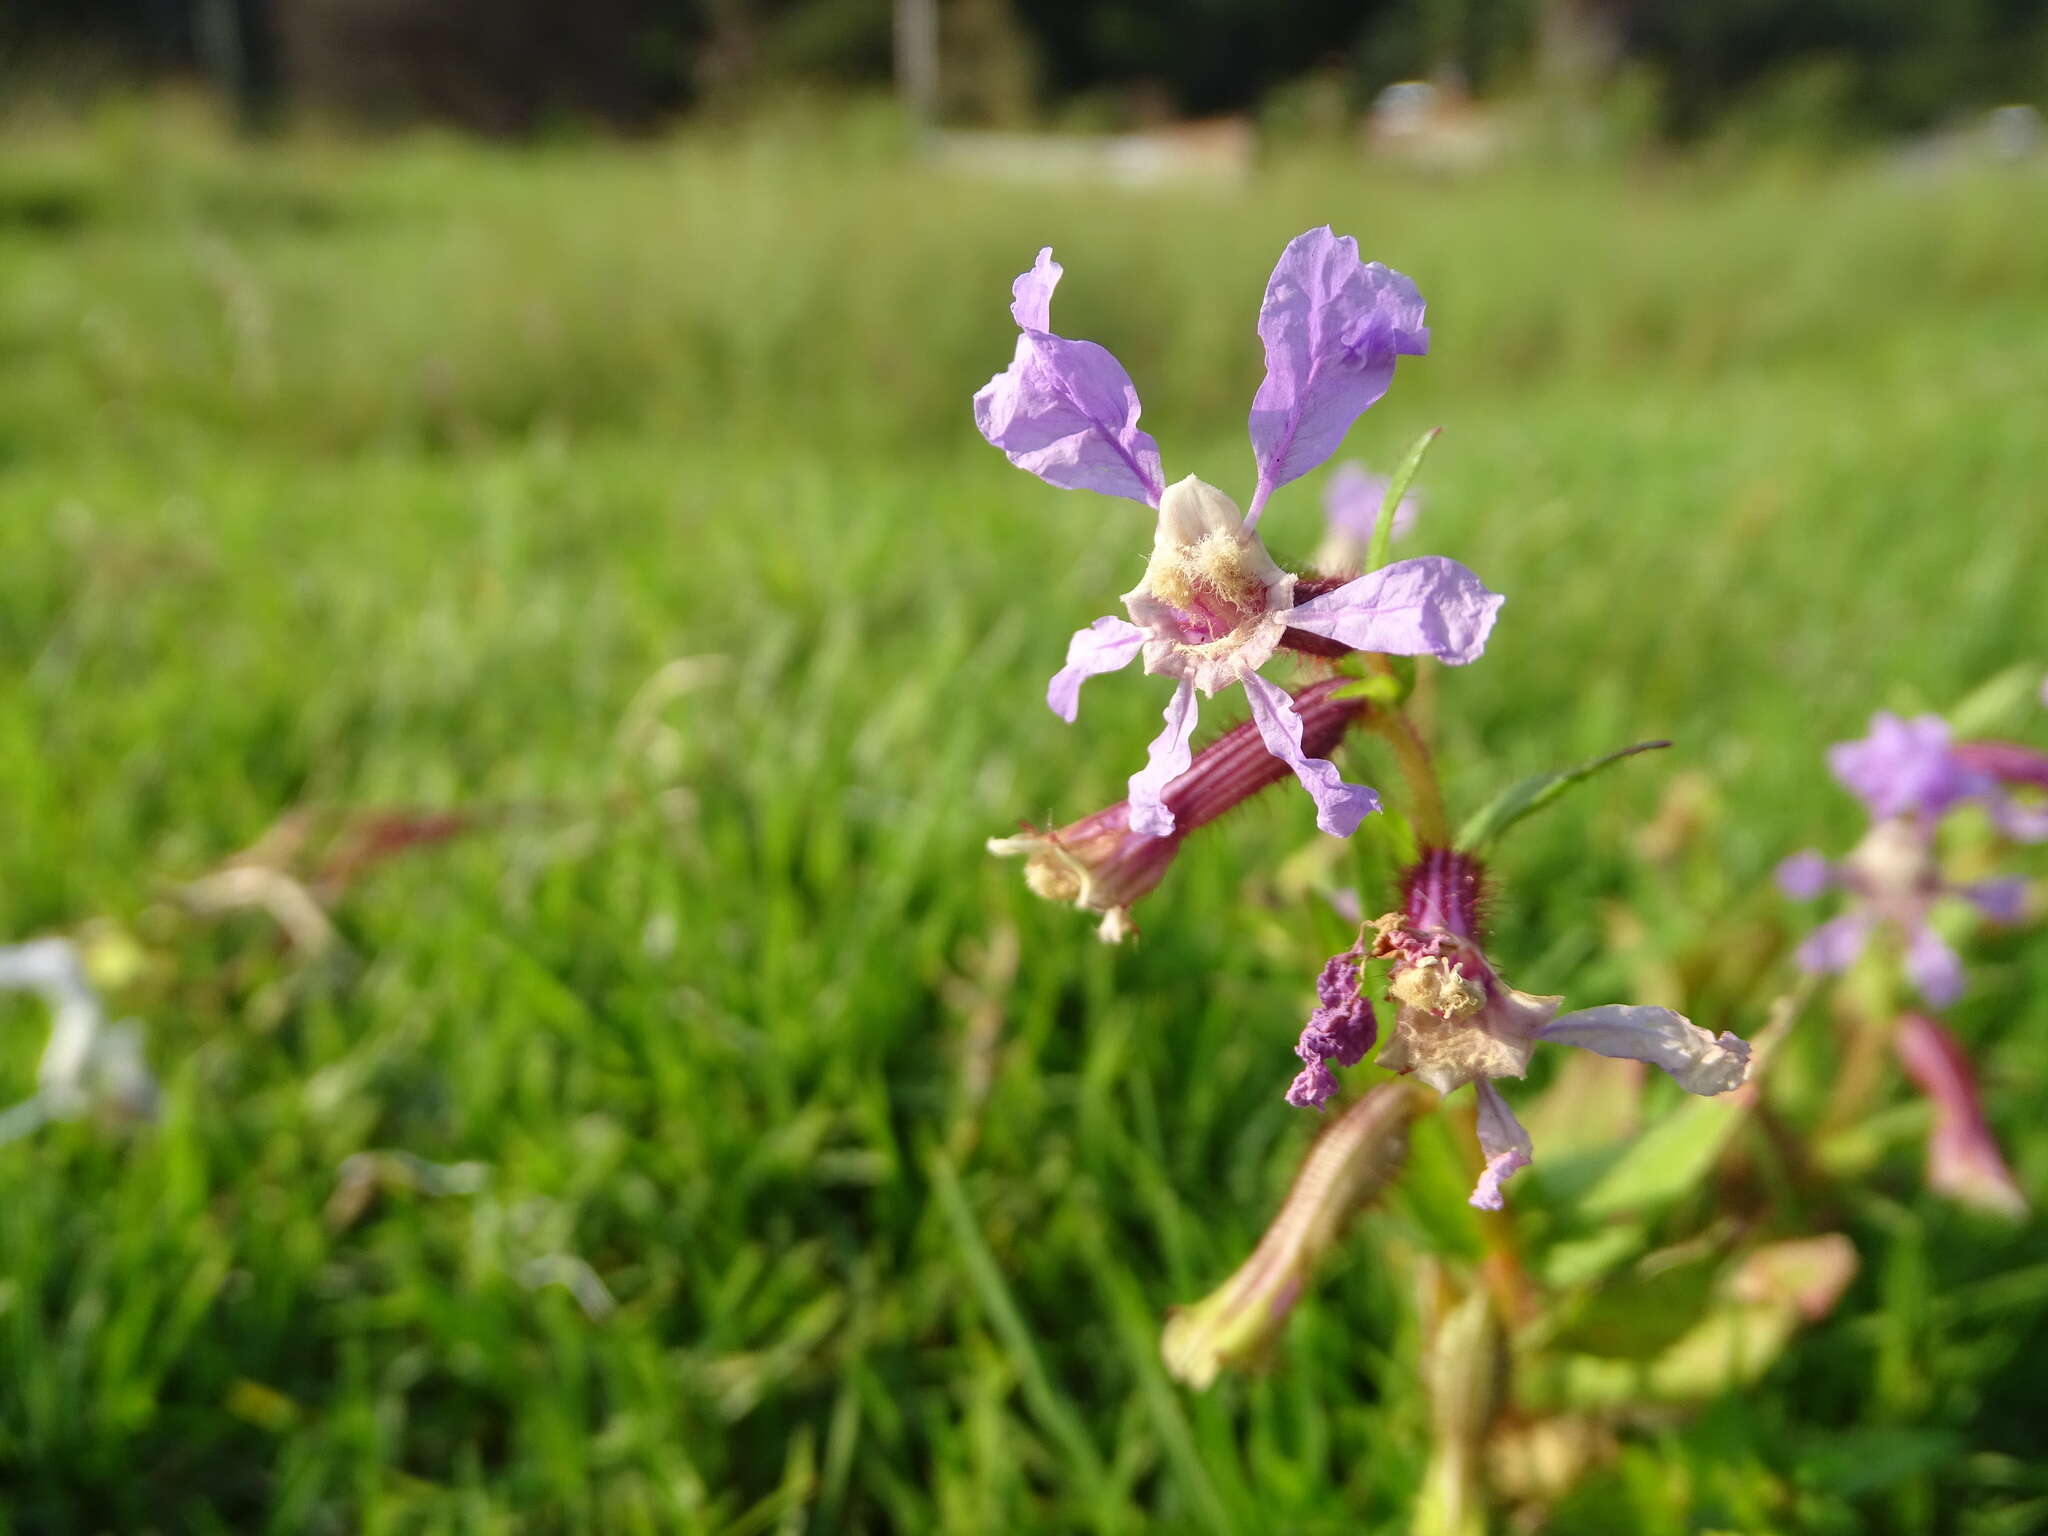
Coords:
pixel 1383 528
pixel 1666 1160
pixel 1998 703
pixel 1640 1313
pixel 1530 795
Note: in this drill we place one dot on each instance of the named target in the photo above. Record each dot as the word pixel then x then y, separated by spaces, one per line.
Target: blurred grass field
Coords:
pixel 630 492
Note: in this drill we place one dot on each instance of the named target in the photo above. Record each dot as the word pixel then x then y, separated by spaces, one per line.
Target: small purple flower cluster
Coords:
pixel 1911 776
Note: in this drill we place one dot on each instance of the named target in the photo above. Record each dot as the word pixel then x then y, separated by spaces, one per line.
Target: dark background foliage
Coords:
pixel 505 66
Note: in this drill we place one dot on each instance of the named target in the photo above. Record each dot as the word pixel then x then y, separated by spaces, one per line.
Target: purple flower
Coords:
pixel 1213 607
pixel 1458 1022
pixel 1352 499
pixel 1101 864
pixel 1963 1159
pixel 1909 775
pixel 1893 878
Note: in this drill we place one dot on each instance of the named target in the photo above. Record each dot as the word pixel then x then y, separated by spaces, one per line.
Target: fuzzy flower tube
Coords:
pixel 1458 1022
pixel 1102 864
pixel 1213 607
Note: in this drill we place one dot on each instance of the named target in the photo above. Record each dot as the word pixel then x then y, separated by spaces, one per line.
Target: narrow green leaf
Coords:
pixel 1998 703
pixel 1045 1402
pixel 1530 795
pixel 1383 529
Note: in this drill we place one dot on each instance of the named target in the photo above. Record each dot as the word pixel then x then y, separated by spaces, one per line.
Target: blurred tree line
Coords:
pixel 518 65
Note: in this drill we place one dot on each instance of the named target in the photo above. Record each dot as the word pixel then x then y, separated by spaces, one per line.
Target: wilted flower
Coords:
pixel 1910 776
pixel 1349 1164
pixel 1100 864
pixel 1341 1029
pixel 1458 1022
pixel 1213 607
pixel 1963 1160
pixel 1353 497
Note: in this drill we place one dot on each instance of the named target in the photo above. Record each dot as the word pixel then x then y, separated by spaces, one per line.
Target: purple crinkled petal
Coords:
pixel 1313 1086
pixel 1803 876
pixel 2003 900
pixel 1167 761
pixel 1031 293
pixel 1333 327
pixel 1936 970
pixel 1427 607
pixel 1697 1061
pixel 1504 1141
pixel 1835 944
pixel 1106 645
pixel 1339 806
pixel 1067 412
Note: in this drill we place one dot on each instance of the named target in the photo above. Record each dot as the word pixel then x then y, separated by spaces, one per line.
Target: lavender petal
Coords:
pixel 1167 761
pixel 1104 646
pixel 1339 806
pixel 2003 900
pixel 1936 970
pixel 1426 607
pixel 1905 766
pixel 1333 327
pixel 1066 411
pixel 1697 1061
pixel 1504 1141
pixel 1031 293
pixel 1834 945
pixel 1803 876
pixel 1353 499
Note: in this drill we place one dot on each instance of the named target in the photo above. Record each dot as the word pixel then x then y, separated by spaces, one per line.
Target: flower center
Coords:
pixel 1211 590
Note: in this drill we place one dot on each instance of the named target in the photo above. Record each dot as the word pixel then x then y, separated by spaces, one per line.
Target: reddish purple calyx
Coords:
pixel 1444 889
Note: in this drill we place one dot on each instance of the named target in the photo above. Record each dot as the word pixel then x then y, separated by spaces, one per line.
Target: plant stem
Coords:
pixel 1432 826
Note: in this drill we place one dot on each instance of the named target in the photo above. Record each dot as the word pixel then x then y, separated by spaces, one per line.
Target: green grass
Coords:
pixel 375 476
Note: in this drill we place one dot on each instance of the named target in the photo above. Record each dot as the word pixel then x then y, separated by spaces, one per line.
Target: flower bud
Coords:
pixel 1348 1165
pixel 1963 1159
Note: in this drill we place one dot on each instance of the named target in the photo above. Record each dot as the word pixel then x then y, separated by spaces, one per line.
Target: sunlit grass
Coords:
pixel 390 475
